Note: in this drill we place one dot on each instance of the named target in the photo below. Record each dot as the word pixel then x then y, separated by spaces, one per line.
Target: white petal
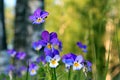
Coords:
pixel 32 73
pixel 54 65
pixel 39 47
pixel 78 67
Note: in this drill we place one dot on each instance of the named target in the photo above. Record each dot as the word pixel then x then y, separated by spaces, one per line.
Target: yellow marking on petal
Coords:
pixel 39 20
pixel 49 46
pixel 53 62
pixel 32 70
pixel 76 64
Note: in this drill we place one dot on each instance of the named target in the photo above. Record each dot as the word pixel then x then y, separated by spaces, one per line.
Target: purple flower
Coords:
pixel 38 16
pixel 86 66
pixel 33 69
pixel 82 46
pixel 20 55
pixel 51 40
pixel 68 59
pixel 73 60
pixel 36 45
pixel 53 59
pixel 41 59
pixel 9 69
pixel 11 52
pixel 77 65
pixel 21 71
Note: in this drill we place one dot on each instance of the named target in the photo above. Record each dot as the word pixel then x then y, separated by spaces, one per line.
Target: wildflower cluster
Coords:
pixel 51 47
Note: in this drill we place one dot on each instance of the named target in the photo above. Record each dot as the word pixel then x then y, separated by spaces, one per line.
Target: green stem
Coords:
pixel 117 40
pixel 54 72
pixel 69 74
pixel 27 71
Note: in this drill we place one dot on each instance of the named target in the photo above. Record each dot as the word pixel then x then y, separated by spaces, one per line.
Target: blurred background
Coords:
pixel 95 23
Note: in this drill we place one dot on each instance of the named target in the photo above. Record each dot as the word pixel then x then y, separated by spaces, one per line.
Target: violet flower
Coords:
pixel 77 65
pixel 86 66
pixel 41 59
pixel 53 59
pixel 38 16
pixel 33 69
pixel 11 52
pixel 82 46
pixel 49 41
pixel 68 60
pixel 20 55
pixel 36 45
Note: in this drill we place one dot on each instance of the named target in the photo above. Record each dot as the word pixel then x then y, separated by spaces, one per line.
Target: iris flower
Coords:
pixel 82 46
pixel 38 16
pixel 53 59
pixel 68 60
pixel 33 69
pixel 11 52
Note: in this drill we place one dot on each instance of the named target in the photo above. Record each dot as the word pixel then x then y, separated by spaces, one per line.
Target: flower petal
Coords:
pixel 37 12
pixel 44 14
pixel 48 58
pixel 54 41
pixel 78 67
pixel 79 44
pixel 79 59
pixel 54 65
pixel 57 57
pixel 45 35
pixel 53 35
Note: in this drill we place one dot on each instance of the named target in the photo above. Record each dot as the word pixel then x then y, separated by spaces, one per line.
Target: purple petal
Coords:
pixel 37 12
pixel 89 63
pixel 54 41
pixel 52 54
pixel 45 35
pixel 21 55
pixel 48 58
pixel 32 18
pixel 84 46
pixel 60 45
pixel 68 59
pixel 11 52
pixel 79 58
pixel 41 59
pixel 36 45
pixel 79 44
pixel 47 51
pixel 42 42
pixel 44 14
pixel 33 66
pixel 53 35
pixel 57 57
pixel 69 56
